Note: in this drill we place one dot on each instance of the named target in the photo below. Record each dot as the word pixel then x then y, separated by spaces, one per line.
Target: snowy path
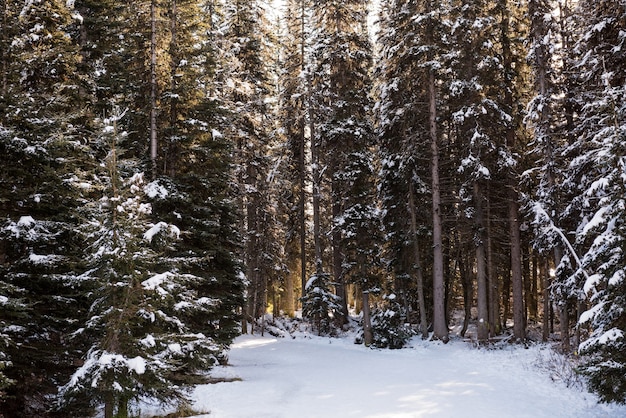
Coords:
pixel 318 377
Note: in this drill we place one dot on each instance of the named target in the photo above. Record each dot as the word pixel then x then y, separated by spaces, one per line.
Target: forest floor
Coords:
pixel 302 375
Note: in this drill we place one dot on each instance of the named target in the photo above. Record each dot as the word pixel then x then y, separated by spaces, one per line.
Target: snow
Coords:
pixel 171 230
pixel 312 376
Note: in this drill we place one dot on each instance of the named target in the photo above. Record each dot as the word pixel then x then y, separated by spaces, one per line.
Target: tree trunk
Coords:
pixel 440 326
pixel 563 307
pixel 338 273
pixel 533 291
pixel 302 159
pixel 288 300
pixel 493 297
pixel 169 160
pixel 109 405
pixel 516 268
pixel 418 265
pixel 315 167
pixel 153 88
pixel 4 58
pixel 543 273
pixel 468 292
pixel 481 267
pixel 368 337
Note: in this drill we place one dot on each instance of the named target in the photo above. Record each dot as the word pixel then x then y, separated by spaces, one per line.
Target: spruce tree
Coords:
pixel 43 128
pixel 344 131
pixel 602 231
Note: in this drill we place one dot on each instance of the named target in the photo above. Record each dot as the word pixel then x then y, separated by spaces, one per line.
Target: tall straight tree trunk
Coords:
pixel 338 273
pixel 481 266
pixel 317 232
pixel 534 287
pixel 440 326
pixel 517 279
pixel 543 273
pixel 153 88
pixel 368 336
pixel 562 306
pixel 169 164
pixel 492 284
pixel 418 264
pixel 302 156
pixel 4 59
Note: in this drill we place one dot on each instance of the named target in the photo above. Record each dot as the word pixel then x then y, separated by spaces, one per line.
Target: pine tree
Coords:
pixel 294 99
pixel 344 131
pixel 402 179
pixel 602 232
pixel 248 86
pixel 43 127
pixel 144 325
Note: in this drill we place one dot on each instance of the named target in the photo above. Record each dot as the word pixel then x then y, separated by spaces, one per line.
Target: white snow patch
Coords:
pixel 320 377
pixel 154 189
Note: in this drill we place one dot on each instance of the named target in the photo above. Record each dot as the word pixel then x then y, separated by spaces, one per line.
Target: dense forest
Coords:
pixel 173 171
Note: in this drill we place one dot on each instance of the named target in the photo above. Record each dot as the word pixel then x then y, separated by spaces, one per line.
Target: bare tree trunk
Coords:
pixel 468 292
pixel 4 58
pixel 418 265
pixel 563 308
pixel 340 289
pixel 481 268
pixel 440 326
pixel 543 273
pixel 153 88
pixel 288 300
pixel 302 159
pixel 109 404
pixel 368 337
pixel 493 297
pixel 315 168
pixel 519 322
pixel 533 287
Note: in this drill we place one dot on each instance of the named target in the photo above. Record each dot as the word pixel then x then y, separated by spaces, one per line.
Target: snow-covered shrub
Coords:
pixel 389 325
pixel 320 305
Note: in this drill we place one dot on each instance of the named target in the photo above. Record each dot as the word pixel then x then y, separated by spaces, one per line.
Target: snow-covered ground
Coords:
pixel 322 377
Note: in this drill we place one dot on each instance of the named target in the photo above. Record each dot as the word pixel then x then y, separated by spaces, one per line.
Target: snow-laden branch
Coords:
pixel 542 217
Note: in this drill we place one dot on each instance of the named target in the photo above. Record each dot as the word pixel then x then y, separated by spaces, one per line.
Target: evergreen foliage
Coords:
pixel 129 239
pixel 320 305
pixel 601 202
pixel 389 324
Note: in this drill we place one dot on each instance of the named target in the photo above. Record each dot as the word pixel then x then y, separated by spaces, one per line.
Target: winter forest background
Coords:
pixel 171 168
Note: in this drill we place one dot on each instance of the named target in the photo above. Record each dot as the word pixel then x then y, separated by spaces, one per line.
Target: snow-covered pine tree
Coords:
pixel 480 95
pixel 292 118
pixel 401 175
pixel 344 129
pixel 601 233
pixel 247 88
pixel 389 324
pixel 320 305
pixel 42 160
pixel 542 108
pixel 193 189
pixel 138 326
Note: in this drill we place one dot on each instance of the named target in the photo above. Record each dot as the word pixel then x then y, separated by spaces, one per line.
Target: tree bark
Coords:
pixel 516 268
pixel 418 265
pixel 440 326
pixel 302 159
pixel 481 267
pixel 543 273
pixel 4 58
pixel 563 307
pixel 153 88
pixel 337 244
pixel 368 337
